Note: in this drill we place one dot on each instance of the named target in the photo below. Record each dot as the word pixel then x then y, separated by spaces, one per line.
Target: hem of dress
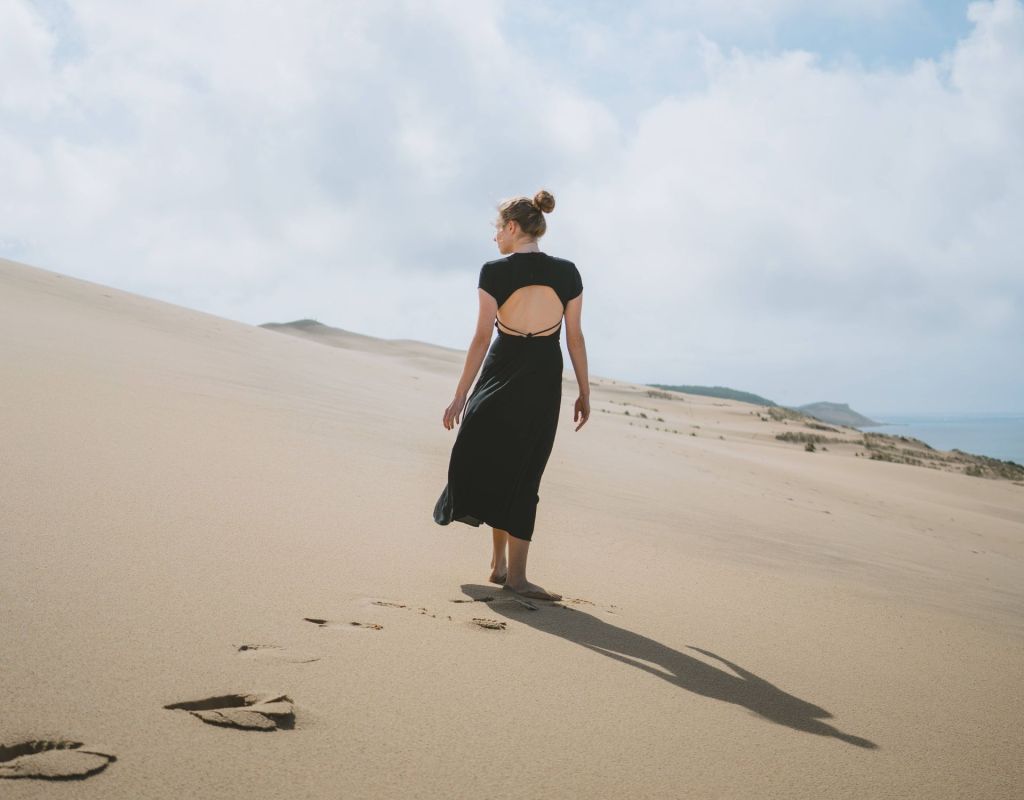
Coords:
pixel 443 516
pixel 469 519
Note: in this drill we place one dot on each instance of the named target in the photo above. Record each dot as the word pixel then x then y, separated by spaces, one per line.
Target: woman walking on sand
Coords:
pixel 509 421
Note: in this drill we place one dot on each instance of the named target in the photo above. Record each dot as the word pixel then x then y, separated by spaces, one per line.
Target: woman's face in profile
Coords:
pixel 503 236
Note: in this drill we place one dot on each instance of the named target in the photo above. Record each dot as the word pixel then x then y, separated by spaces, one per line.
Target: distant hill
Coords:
pixel 411 351
pixel 718 391
pixel 313 328
pixel 836 413
pixel 833 413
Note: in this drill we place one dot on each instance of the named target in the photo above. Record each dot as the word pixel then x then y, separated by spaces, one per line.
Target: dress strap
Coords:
pixel 527 335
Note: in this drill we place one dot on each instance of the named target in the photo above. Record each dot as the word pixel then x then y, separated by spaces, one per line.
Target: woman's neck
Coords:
pixel 526 247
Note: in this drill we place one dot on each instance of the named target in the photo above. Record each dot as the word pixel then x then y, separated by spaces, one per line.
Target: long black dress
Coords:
pixel 508 426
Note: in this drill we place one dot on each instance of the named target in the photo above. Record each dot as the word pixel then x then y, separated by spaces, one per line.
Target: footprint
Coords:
pixel 578 601
pixel 506 597
pixel 253 711
pixel 326 623
pixel 388 604
pixel 491 624
pixel 276 652
pixel 523 602
pixel 51 760
pixel 565 602
pixel 512 597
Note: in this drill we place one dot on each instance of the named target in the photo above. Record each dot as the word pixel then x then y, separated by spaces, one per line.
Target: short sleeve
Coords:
pixel 575 283
pixel 486 282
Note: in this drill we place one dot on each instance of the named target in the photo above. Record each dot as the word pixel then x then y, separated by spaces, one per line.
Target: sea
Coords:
pixel 996 434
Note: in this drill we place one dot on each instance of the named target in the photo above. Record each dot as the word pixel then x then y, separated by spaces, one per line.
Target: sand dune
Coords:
pixel 219 577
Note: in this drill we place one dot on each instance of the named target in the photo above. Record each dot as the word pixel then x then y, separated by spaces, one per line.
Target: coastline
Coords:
pixel 994 434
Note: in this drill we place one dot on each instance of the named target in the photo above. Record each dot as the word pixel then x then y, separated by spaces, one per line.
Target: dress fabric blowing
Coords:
pixel 508 425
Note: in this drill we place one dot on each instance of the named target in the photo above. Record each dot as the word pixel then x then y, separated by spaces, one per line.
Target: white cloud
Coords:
pixel 26 48
pixel 791 214
pixel 764 218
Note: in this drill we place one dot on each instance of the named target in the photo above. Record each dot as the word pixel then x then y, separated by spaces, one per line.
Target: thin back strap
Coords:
pixel 527 335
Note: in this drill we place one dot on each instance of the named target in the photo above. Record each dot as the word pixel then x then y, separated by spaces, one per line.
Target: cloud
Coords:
pixel 773 218
pixel 791 215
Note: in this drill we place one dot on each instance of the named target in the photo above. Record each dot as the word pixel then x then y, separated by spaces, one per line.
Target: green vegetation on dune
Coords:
pixel 876 446
pixel 908 450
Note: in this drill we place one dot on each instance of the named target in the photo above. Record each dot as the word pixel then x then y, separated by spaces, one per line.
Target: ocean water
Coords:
pixel 997 435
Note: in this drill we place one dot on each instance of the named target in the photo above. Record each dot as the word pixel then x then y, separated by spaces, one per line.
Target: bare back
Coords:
pixel 531 309
pixel 531 290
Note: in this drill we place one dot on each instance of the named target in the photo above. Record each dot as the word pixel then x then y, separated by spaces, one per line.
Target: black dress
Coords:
pixel 509 422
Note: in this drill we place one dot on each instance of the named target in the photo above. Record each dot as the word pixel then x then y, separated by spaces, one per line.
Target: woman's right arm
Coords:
pixel 475 355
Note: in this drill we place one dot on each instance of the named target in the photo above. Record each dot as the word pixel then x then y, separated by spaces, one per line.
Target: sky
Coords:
pixel 806 199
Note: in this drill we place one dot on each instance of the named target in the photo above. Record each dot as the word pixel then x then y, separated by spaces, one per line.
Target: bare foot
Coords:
pixel 497 577
pixel 533 591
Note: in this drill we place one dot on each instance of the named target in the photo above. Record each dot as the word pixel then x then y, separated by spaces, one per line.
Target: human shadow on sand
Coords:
pixel 744 688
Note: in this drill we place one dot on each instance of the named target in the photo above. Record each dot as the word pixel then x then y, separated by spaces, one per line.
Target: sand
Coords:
pixel 235 521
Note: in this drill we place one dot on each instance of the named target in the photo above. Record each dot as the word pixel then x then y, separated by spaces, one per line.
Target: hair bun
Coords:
pixel 545 201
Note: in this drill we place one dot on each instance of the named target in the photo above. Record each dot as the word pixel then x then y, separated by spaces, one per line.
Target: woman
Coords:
pixel 509 421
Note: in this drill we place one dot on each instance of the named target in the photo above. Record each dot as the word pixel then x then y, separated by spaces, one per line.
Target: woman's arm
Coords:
pixel 474 357
pixel 577 347
pixel 576 344
pixel 481 341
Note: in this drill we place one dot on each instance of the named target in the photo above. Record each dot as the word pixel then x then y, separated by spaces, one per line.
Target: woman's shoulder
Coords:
pixel 566 268
pixel 563 265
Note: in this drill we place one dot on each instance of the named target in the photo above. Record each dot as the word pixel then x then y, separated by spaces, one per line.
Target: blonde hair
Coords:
pixel 528 213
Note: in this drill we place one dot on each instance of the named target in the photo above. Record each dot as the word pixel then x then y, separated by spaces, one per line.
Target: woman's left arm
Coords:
pixel 474 356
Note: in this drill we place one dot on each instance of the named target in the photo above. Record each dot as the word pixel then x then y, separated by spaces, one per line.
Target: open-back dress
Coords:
pixel 510 418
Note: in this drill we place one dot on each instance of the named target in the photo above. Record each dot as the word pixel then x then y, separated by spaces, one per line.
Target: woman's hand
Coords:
pixel 582 409
pixel 454 411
